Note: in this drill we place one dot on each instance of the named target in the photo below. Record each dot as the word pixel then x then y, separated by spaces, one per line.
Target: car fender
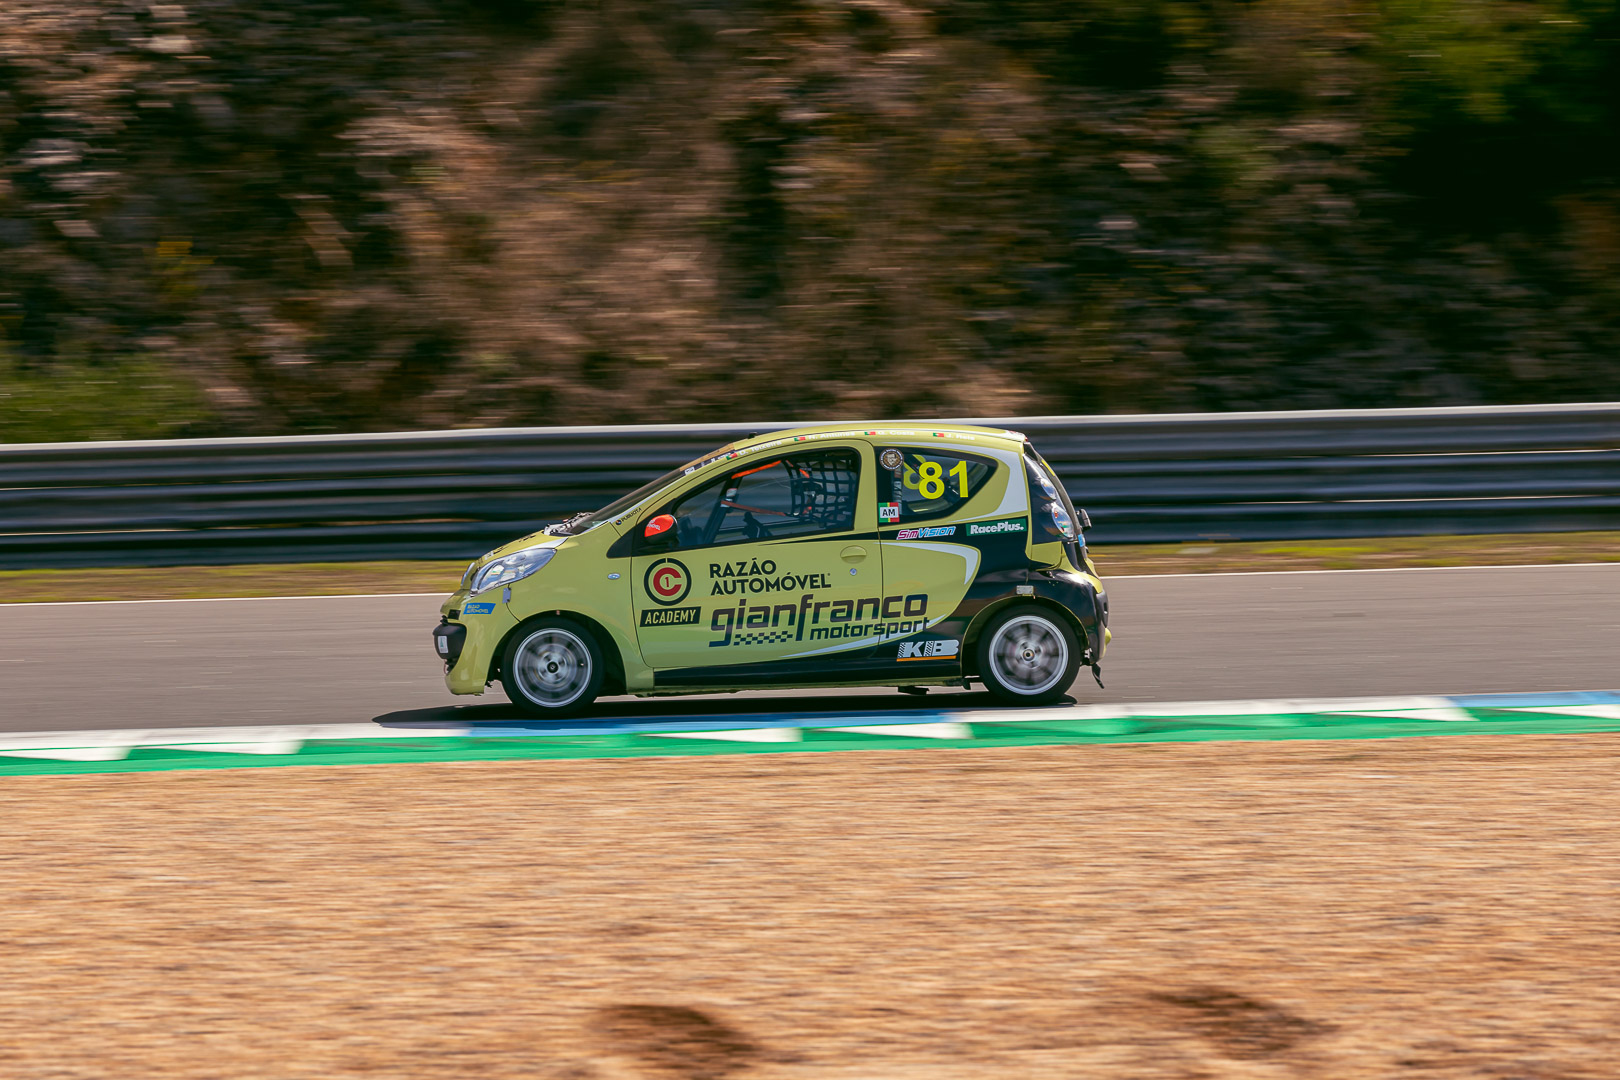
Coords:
pixel 1073 597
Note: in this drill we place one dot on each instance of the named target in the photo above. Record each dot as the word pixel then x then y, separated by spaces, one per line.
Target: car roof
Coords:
pixel 899 431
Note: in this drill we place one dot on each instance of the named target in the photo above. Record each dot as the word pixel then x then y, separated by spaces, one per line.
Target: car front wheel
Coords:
pixel 1028 656
pixel 552 668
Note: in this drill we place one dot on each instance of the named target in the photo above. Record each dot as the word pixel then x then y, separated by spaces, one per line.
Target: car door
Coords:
pixel 953 517
pixel 775 559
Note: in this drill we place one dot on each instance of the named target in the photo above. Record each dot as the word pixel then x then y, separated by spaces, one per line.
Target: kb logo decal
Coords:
pixel 667 582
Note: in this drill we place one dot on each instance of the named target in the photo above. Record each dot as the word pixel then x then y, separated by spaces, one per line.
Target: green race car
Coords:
pixel 822 556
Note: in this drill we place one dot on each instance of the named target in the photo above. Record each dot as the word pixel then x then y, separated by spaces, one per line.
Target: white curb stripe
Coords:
pixel 67 753
pixel 1438 709
pixel 1599 712
pixel 1173 709
pixel 113 745
pixel 920 731
pixel 189 738
pixel 777 734
pixel 273 746
pixel 1441 714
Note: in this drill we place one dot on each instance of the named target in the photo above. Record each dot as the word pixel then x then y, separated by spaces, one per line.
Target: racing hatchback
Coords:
pixel 824 556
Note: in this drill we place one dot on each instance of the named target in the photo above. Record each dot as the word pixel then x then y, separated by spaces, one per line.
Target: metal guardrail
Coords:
pixel 454 494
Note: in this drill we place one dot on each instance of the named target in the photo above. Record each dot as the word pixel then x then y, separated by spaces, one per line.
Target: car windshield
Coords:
pixel 580 522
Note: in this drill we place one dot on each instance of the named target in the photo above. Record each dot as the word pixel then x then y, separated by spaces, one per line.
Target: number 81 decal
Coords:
pixel 928 478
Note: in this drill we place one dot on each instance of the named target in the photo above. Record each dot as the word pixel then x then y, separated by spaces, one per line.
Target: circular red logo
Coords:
pixel 667 582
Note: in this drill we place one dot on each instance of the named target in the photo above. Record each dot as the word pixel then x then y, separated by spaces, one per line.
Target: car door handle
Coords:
pixel 853 553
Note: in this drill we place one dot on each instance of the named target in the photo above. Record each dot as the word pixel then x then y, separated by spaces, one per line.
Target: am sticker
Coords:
pixel 889 511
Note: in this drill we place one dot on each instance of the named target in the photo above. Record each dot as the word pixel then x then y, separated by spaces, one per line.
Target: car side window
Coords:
pixel 695 512
pixel 793 495
pixel 916 484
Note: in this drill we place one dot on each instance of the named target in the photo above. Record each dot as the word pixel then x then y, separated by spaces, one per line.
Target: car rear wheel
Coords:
pixel 1028 656
pixel 552 668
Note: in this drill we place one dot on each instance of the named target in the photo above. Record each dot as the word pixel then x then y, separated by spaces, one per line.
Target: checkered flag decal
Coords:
pixel 764 639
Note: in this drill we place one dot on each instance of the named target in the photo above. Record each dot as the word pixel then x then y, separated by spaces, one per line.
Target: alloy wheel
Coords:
pixel 553 667
pixel 1030 654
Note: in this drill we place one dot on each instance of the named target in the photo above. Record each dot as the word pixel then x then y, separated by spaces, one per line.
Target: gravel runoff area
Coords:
pixel 1419 908
pixel 1203 557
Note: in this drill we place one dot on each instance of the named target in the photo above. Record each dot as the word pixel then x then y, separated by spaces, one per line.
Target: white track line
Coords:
pixel 1106 580
pixel 1361 570
pixel 223 599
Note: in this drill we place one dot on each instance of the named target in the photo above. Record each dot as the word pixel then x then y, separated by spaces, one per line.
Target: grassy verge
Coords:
pixel 192 582
pixel 339 579
pixel 1504 549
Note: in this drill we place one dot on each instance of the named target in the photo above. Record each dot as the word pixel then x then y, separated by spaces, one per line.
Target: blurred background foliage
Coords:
pixel 293 216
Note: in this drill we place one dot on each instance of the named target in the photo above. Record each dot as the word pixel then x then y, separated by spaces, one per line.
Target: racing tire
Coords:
pixel 552 667
pixel 1028 656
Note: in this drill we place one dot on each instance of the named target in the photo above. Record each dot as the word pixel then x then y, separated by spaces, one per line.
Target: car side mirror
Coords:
pixel 1085 520
pixel 659 531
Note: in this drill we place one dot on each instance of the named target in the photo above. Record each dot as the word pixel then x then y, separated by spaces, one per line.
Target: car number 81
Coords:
pixel 928 478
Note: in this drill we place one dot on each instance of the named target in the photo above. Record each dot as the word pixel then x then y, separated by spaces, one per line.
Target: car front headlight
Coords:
pixel 513 567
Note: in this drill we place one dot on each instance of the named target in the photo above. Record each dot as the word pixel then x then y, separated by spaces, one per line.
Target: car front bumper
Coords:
pixel 468 641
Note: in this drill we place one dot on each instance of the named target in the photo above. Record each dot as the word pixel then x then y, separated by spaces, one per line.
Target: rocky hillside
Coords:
pixel 290 215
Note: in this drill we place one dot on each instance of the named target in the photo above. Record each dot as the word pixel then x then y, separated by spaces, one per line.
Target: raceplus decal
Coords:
pixel 876 617
pixel 990 528
pixel 759 576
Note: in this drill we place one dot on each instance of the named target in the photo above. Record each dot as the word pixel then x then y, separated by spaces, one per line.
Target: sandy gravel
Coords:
pixel 1418 908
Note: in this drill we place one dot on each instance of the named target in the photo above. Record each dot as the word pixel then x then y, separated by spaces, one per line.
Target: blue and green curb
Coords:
pixel 151 750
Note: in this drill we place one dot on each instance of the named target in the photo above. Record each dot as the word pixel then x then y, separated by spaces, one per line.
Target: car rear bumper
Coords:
pixel 1085 599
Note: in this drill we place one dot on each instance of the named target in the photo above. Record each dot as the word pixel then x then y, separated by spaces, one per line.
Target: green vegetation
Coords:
pixel 254 218
pixel 128 399
pixel 348 579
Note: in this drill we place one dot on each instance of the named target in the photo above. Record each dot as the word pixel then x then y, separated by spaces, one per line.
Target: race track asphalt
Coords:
pixel 1179 638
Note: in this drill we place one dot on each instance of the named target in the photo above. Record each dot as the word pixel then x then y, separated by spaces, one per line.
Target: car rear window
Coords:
pixel 919 484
